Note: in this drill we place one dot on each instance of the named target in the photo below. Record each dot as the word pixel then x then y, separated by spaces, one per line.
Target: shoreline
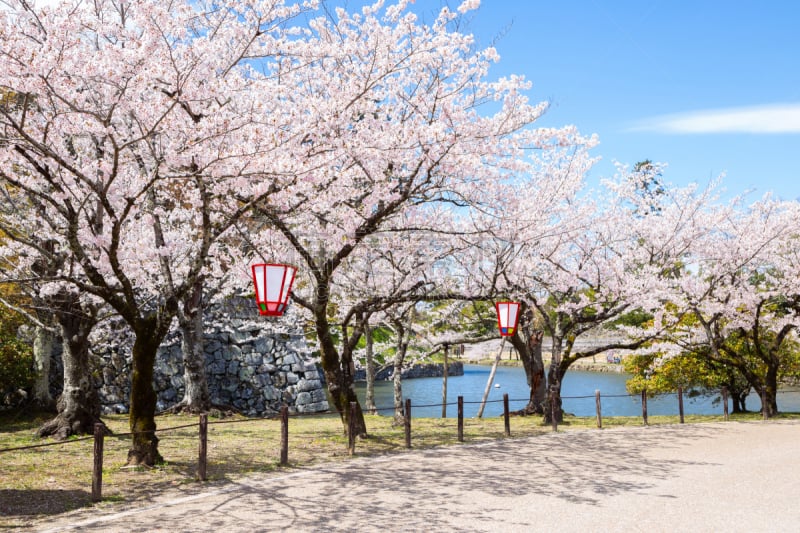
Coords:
pixel 585 366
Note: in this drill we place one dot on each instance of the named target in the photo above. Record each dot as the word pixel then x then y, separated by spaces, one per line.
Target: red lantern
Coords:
pixel 507 317
pixel 273 283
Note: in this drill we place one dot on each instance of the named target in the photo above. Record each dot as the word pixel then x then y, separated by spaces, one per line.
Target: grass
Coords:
pixel 41 482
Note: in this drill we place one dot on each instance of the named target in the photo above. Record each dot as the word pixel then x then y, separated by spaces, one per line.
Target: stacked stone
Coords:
pixel 417 370
pixel 253 364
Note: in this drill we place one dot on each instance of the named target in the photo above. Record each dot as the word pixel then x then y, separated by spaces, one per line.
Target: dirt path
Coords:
pixel 704 477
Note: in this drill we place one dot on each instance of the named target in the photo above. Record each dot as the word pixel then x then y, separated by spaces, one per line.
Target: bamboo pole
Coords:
pixel 491 378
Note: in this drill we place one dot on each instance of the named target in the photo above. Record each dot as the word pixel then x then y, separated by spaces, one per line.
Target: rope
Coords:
pixel 32 446
pixel 273 417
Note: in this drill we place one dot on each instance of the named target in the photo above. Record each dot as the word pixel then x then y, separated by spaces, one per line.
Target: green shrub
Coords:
pixel 16 357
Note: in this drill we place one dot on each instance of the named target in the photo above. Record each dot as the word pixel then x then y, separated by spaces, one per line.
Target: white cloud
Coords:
pixel 764 119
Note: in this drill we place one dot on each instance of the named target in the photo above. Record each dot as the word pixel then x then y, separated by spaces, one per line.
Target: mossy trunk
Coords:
pixel 144 450
pixel 771 389
pixel 78 406
pixel 339 375
pixel 530 352
pixel 397 386
pixel 196 398
pixel 555 375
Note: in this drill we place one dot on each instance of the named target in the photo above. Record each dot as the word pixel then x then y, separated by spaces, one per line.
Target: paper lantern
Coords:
pixel 507 317
pixel 273 283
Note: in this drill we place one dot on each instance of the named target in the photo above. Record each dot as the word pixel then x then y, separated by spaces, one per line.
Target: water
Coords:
pixel 426 395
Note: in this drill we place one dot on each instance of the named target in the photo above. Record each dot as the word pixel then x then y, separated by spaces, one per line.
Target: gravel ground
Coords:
pixel 729 477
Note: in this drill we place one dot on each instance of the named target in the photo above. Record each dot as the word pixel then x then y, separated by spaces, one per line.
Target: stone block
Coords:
pixel 319 395
pixel 316 407
pixel 231 353
pixel 238 337
pixel 308 385
pixel 212 346
pixel 217 367
pixel 269 393
pixel 267 368
pixel 263 345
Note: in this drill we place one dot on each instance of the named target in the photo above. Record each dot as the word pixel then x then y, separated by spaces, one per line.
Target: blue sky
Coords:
pixel 706 87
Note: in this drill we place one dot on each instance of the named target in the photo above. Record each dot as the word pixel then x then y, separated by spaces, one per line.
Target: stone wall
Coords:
pixel 428 370
pixel 254 364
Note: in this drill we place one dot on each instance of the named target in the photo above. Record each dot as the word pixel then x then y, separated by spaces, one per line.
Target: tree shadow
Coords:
pixel 21 502
pixel 425 489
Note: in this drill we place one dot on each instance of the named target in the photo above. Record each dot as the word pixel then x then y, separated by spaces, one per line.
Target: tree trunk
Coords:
pixel 339 371
pixel 739 400
pixel 144 449
pixel 398 388
pixel 43 341
pixel 530 353
pixel 771 388
pixel 403 339
pixel 369 400
pixel 738 393
pixel 444 381
pixel 196 398
pixel 554 376
pixel 78 406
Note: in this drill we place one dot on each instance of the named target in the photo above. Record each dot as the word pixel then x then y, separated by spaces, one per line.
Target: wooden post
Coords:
pixel 444 382
pixel 597 408
pixel 644 406
pixel 202 452
pixel 554 407
pixel 505 415
pixel 351 430
pixel 725 403
pixel 97 468
pixel 680 402
pixel 460 419
pixel 408 423
pixel 285 435
pixel 764 403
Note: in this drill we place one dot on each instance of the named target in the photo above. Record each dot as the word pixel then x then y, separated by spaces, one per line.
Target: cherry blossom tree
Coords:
pixel 740 286
pixel 137 122
pixel 589 266
pixel 400 116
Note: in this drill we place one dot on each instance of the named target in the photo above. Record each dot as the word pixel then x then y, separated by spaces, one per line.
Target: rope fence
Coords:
pixel 283 416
